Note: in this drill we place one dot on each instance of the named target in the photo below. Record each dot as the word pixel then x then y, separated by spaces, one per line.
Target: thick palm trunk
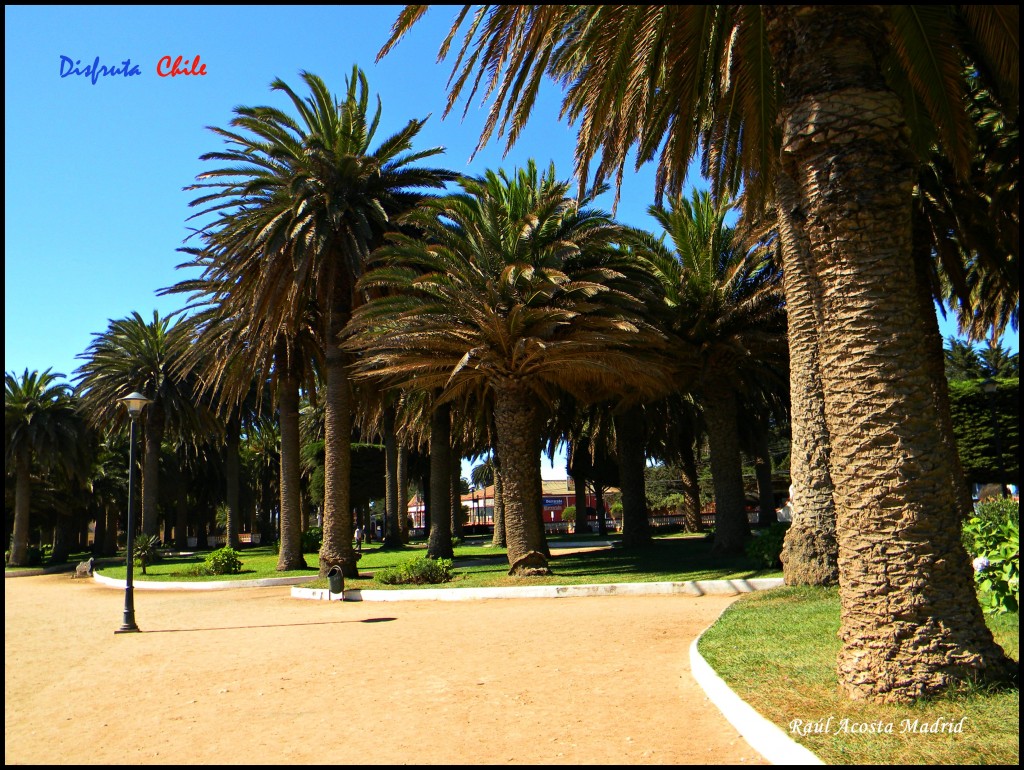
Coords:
pixel 151 467
pixel 336 548
pixel 232 473
pixel 810 553
pixel 22 493
pixel 110 532
pixel 602 524
pixel 393 526
pixel 731 525
pixel 518 440
pixel 439 544
pixel 910 621
pixel 629 440
pixel 180 482
pixel 290 555
pixel 581 525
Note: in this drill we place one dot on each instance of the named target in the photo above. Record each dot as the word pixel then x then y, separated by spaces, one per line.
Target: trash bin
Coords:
pixel 336 579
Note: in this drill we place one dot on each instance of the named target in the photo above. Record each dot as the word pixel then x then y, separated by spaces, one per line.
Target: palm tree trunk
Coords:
pixel 691 486
pixel 763 470
pixel 393 531
pixel 110 532
pixel 602 525
pixel 629 439
pixel 518 440
pixel 731 525
pixel 439 544
pixel 810 553
pixel 455 469
pixel 910 622
pixel 581 526
pixel 232 473
pixel 336 548
pixel 498 536
pixel 151 467
pixel 290 555
pixel 402 506
pixel 181 508
pixel 22 493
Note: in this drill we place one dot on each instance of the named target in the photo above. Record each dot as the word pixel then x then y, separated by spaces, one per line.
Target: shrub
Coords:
pixel 569 514
pixel 144 550
pixel 765 547
pixel 992 538
pixel 417 572
pixel 224 562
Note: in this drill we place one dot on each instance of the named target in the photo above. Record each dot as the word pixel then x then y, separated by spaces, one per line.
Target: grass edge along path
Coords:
pixel 792 633
pixel 668 559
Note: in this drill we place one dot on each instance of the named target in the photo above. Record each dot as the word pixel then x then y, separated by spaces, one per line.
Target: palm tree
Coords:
pixel 303 202
pixel 136 355
pixel 830 109
pixel 725 303
pixel 42 425
pixel 516 293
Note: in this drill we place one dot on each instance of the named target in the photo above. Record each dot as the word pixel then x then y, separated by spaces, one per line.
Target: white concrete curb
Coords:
pixel 765 737
pixel 691 587
pixel 206 585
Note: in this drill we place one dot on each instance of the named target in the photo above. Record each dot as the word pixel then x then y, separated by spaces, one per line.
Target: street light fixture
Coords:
pixel 991 387
pixel 135 402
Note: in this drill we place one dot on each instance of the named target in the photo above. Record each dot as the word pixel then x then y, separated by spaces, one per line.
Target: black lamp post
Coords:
pixel 990 387
pixel 135 402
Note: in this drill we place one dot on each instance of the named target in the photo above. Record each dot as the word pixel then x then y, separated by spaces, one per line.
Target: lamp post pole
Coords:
pixel 135 403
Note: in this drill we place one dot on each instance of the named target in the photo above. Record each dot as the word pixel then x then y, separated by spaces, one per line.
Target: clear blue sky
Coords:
pixel 94 206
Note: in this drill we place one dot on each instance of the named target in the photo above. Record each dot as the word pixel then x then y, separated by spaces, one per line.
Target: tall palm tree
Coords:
pixel 303 202
pixel 830 109
pixel 516 293
pixel 725 303
pixel 136 355
pixel 42 425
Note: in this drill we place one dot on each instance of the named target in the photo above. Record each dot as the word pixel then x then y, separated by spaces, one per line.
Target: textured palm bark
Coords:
pixel 910 621
pixel 232 474
pixel 602 523
pixel 498 536
pixel 393 526
pixel 180 486
pixel 731 526
pixel 518 440
pixel 154 417
pixel 629 439
pixel 336 548
pixel 439 543
pixel 402 505
pixel 22 493
pixel 691 488
pixel 455 471
pixel 290 553
pixel 810 552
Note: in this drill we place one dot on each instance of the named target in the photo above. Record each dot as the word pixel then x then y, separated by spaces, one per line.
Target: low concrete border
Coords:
pixel 764 736
pixel 205 585
pixel 690 587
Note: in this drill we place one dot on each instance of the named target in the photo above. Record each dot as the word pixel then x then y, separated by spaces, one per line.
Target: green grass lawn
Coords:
pixel 479 564
pixel 778 651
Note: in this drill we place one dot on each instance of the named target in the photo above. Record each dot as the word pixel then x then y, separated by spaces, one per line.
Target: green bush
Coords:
pixel 144 550
pixel 221 562
pixel 224 562
pixel 569 514
pixel 312 539
pixel 766 547
pixel 992 538
pixel 417 572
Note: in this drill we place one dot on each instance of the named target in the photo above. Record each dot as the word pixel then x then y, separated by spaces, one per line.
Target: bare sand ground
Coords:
pixel 254 676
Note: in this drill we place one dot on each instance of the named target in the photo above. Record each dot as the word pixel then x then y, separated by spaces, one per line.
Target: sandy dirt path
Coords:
pixel 254 676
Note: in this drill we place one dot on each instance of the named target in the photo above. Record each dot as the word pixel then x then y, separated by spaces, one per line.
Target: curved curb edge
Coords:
pixel 691 587
pixel 764 736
